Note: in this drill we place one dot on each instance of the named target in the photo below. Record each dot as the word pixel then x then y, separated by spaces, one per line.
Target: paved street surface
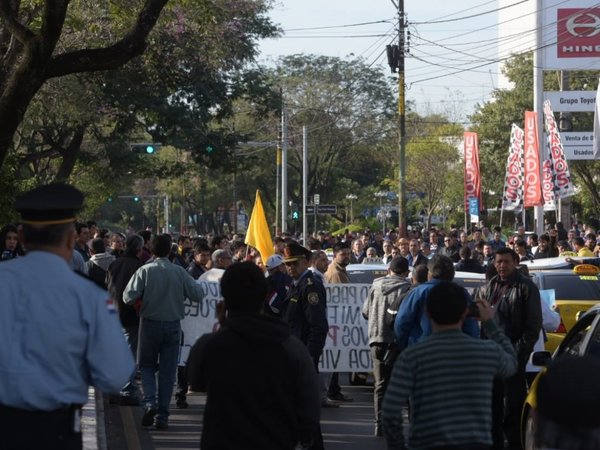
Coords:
pixel 349 427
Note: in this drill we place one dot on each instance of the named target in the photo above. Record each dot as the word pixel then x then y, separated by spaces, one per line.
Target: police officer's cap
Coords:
pixel 294 251
pixel 52 204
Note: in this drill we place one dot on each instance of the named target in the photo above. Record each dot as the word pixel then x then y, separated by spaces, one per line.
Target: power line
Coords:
pixel 470 16
pixel 338 26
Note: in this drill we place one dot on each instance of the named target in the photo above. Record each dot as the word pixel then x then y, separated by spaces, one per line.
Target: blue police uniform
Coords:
pixel 60 333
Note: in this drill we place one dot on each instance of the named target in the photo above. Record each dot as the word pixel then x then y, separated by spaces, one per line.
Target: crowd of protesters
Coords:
pixel 434 325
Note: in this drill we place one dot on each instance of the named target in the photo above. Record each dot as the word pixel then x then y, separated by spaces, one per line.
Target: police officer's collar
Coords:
pixel 304 274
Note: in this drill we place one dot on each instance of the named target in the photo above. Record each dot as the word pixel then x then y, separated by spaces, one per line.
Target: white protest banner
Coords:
pixel 347 345
pixel 200 318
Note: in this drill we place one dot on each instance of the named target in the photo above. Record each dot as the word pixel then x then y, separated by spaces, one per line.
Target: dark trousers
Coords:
pixel 381 374
pixel 334 384
pixel 508 396
pixel 33 430
pixel 182 383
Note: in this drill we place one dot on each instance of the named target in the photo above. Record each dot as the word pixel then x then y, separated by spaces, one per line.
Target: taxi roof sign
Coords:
pixel 586 269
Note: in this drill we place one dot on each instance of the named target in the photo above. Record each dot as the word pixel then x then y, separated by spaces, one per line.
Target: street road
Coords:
pixel 349 427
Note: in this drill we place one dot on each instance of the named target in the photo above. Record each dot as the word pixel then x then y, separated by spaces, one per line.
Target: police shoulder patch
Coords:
pixel 313 298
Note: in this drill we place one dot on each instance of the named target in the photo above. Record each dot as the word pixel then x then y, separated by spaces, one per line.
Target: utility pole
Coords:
pixel 305 184
pixel 284 158
pixel 278 183
pixel 395 55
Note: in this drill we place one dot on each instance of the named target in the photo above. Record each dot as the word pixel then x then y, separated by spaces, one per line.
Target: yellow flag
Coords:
pixel 258 234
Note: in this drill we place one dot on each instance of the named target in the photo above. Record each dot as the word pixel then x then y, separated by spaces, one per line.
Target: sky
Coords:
pixel 451 65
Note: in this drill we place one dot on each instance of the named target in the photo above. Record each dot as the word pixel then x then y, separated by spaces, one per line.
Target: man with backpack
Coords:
pixel 379 309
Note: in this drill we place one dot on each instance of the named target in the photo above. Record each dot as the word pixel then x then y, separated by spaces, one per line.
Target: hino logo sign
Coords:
pixel 578 32
pixel 583 24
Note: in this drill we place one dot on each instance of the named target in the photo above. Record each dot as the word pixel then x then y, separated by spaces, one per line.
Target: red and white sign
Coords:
pixel 472 175
pixel 571 35
pixel 533 186
pixel 512 199
pixel 563 187
pixel 548 187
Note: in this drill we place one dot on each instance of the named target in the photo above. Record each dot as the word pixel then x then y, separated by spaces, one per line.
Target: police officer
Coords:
pixel 305 309
pixel 60 333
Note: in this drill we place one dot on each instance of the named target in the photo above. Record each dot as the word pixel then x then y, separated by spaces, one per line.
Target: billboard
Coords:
pixel 571 35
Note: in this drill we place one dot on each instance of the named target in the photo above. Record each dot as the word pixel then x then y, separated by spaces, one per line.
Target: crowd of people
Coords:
pixel 459 358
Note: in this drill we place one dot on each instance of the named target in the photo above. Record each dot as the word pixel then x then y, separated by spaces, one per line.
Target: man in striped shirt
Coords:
pixel 448 377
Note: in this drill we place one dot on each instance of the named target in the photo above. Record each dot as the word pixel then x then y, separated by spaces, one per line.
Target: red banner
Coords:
pixel 472 175
pixel 533 184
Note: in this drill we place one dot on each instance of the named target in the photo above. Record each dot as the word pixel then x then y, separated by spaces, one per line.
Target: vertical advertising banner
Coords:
pixel 548 186
pixel 512 199
pixel 472 175
pixel 533 185
pixel 563 187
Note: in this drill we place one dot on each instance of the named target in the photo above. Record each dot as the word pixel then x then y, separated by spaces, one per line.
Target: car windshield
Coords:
pixel 470 284
pixel 366 276
pixel 571 287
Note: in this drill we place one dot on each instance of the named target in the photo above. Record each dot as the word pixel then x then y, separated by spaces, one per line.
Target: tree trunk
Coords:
pixel 37 62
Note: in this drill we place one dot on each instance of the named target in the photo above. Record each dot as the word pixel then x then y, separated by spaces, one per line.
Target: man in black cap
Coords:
pixel 60 332
pixel 305 307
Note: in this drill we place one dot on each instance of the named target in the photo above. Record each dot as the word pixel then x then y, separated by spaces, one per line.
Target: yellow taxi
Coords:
pixel 583 339
pixel 575 292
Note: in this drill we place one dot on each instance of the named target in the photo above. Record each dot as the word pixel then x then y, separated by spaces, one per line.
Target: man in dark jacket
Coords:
pixel 385 294
pixel 99 262
pixel 118 275
pixel 516 300
pixel 275 405
pixel 450 249
pixel 468 264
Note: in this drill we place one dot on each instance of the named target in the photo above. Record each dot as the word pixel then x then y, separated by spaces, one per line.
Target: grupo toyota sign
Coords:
pixel 571 35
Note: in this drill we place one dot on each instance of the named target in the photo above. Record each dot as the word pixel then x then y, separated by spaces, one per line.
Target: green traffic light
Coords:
pixel 136 199
pixel 109 199
pixel 209 149
pixel 150 149
pixel 295 215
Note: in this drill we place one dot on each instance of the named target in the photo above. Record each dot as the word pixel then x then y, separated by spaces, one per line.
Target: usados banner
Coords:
pixel 533 185
pixel 561 177
pixel 548 186
pixel 472 174
pixel 347 345
pixel 512 200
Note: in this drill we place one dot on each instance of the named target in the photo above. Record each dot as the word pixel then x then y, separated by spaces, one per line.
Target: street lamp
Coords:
pixel 351 197
pixel 381 213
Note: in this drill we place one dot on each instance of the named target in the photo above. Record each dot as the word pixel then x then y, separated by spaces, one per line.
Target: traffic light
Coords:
pixel 109 199
pixel 295 212
pixel 145 148
pixel 209 149
pixel 135 198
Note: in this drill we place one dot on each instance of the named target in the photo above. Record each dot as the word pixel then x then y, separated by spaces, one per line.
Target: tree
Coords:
pixel 348 109
pixel 432 161
pixel 35 47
